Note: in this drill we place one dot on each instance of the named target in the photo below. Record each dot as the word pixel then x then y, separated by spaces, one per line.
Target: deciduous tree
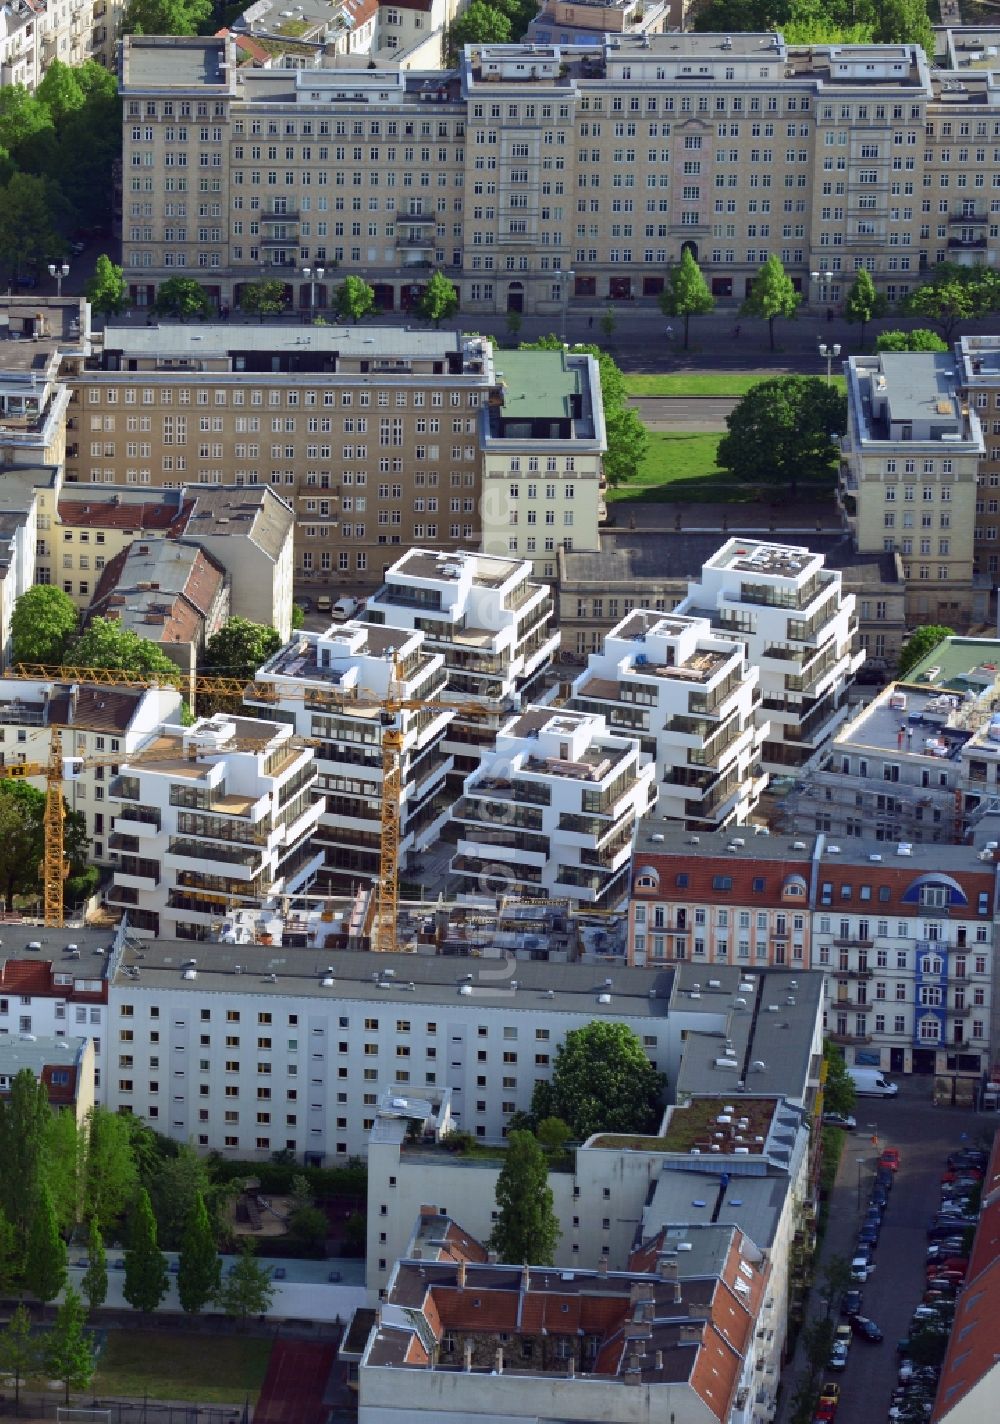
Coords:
pixel 20 1354
pixel 182 297
pixel 106 643
pixel 42 623
pixel 145 1264
pixel 527 1229
pixel 772 295
pixel 63 1152
pixel 904 22
pixel 198 1273
pixel 95 1279
pixel 175 1183
pixel 439 300
pixel 951 295
pixel 917 339
pixel 864 302
pixel 106 290
pixel 165 17
pixel 263 298
pixel 247 1289
pixel 686 293
pixel 478 24
pixel 45 1259
pixel 354 298
pixel 602 1081
pixel 839 1093
pixel 24 1116
pixel 111 1174
pixel 239 649
pixel 781 432
pixel 920 644
pixel 67 1351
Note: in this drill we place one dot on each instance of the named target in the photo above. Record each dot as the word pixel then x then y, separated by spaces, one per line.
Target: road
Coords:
pixel 924 1135
pixel 683 412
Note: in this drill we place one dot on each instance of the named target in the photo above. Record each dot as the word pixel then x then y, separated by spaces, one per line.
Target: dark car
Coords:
pixel 884 1177
pixel 836 1119
pixel 879 1197
pixel 868 1236
pixel 850 1302
pixel 866 1329
pixel 968 1157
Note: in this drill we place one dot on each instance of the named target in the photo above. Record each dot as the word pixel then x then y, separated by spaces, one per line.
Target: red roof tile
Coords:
pixel 98 513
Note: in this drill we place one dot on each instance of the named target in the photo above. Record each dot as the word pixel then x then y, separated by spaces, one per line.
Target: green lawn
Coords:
pixel 680 466
pixel 174 1364
pixel 725 383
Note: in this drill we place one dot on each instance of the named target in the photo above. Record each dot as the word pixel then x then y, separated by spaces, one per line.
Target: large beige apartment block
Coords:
pixel 908 480
pixel 540 175
pixel 372 435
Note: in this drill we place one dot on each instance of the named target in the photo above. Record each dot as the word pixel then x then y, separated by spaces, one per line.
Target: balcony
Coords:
pixel 967 219
pixel 290 215
pixel 137 873
pixel 967 244
pixel 846 1040
pixel 409 219
pixel 242 864
pixel 854 943
pixel 852 973
pixel 415 242
pixel 141 821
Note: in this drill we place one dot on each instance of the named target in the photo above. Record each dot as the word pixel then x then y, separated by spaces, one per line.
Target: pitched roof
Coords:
pixel 112 512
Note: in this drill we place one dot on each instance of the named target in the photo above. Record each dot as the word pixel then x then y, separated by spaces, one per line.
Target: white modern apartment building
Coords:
pixel 908 479
pixel 95 723
pixel 317 679
pixel 552 811
pixel 488 619
pixel 208 816
pixel 691 697
pixel 543 441
pixel 799 629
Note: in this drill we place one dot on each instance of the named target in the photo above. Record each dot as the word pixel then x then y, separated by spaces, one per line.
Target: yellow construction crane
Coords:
pixel 383 931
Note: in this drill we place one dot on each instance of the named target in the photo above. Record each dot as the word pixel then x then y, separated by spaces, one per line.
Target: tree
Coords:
pixel 165 17
pixel 608 323
pixel 181 297
pixel 27 222
pixel 772 295
pixel 298 616
pixel 106 290
pixel 111 1175
pixel 952 294
pixel 439 300
pixel 782 432
pixel 175 1183
pixel 247 1289
pixel 24 1115
pixel 145 1264
pixel 307 1226
pixel 42 623
pixel 864 302
pixel 354 299
pixel 478 24
pixel 918 339
pixel 95 1278
pixel 836 1280
pixel 263 298
pixel 19 828
pixel 239 649
pixel 527 1229
pixel 920 644
pixel 63 1149
pixel 198 1272
pixel 514 323
pixel 19 1352
pixel 553 1134
pixel 60 91
pixel 686 293
pixel 107 644
pixel 68 1353
pixel 723 17
pixel 45 1260
pixel 602 1081
pixel 10 1256
pixel 904 22
pixel 839 1092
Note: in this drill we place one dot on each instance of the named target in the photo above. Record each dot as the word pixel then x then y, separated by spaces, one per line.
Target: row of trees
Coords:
pixel 833 22
pixel 57 148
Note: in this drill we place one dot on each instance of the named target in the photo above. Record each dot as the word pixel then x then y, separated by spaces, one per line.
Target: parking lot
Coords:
pixel 924 1136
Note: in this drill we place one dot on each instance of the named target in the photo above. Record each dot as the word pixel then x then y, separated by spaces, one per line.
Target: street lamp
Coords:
pixel 59 270
pixel 825 276
pixel 312 276
pixel 830 353
pixel 564 280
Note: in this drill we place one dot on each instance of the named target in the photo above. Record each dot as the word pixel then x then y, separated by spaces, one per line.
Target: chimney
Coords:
pixel 525 1277
pixel 602 1266
pixel 659 1359
pixel 690 1334
pixel 417 1254
pixel 666 1268
pixel 461 1275
pixel 467 1356
pixel 678 1295
pixel 492 1258
pixel 499 1360
pixel 571 1368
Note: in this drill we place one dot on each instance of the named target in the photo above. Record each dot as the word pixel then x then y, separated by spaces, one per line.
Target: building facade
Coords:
pixel 692 698
pixel 798 627
pixel 527 162
pixel 908 480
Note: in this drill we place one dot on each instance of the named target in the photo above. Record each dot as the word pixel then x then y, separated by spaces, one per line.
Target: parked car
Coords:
pixel 830 1393
pixel 868 1235
pixel 866 1328
pixel 844 1120
pixel 947 1266
pixel 906 1371
pixel 841 1345
pixel 879 1197
pixel 851 1302
pixel 884 1177
pixel 965 1174
pixel 305 603
pixel 968 1157
pixel 890 1158
pixel 861 1267
pixel 949 1246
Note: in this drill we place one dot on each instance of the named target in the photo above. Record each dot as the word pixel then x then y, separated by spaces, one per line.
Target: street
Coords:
pixel 924 1135
pixel 683 412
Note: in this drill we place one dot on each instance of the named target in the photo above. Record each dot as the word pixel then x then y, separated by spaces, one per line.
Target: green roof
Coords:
pixel 964 664
pixel 538 385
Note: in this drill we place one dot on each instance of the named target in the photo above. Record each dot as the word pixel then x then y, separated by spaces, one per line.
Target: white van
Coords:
pixel 869 1083
pixel 344 609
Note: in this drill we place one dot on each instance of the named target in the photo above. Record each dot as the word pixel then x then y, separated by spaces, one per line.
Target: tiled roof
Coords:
pixel 36 977
pixel 113 513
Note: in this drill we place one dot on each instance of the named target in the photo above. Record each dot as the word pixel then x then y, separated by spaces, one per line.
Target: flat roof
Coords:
pixel 921 385
pixel 538 384
pixel 955 659
pixel 174 61
pixel 753 1204
pixel 918 729
pixel 248 969
pixel 219 340
pixel 38 1052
